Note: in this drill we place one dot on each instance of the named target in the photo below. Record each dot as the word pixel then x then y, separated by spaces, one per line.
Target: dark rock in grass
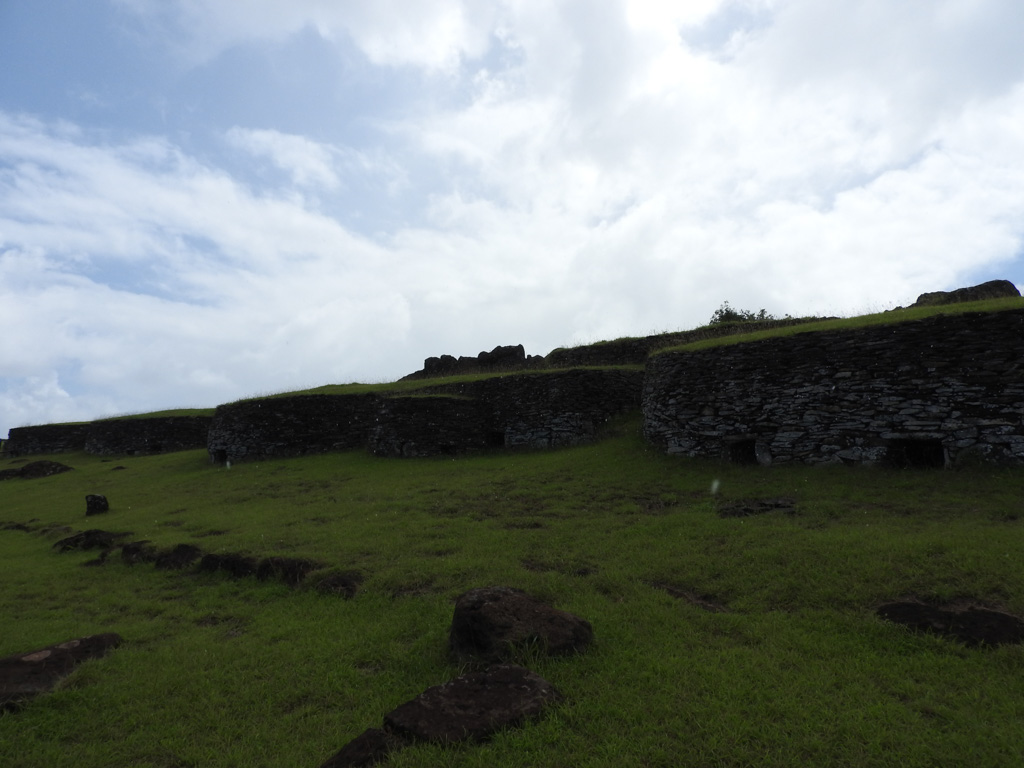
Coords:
pixel 749 507
pixel 26 675
pixel 181 556
pixel 91 539
pixel 468 708
pixel 972 626
pixel 35 469
pixel 371 746
pixel 474 706
pixel 135 552
pixel 494 623
pixel 290 570
pixel 95 504
pixel 15 527
pixel 236 564
pixel 345 584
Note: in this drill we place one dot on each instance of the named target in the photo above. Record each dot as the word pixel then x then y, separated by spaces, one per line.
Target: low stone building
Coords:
pixel 935 392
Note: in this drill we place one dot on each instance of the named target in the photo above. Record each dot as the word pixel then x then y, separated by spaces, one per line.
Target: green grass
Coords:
pixel 796 671
pixel 891 317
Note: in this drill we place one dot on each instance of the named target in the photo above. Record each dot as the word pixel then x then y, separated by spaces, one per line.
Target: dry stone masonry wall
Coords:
pixel 112 437
pixel 938 391
pixel 519 410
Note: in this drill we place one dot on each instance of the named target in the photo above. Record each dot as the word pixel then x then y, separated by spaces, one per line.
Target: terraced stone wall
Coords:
pixel 112 437
pixel 519 410
pixel 291 426
pixel 939 391
pixel 46 438
pixel 144 436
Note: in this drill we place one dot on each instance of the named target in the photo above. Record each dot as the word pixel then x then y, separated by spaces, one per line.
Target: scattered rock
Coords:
pixel 236 564
pixel 95 504
pixel 474 706
pixel 749 507
pixel 291 570
pixel 493 623
pixel 35 469
pixel 181 556
pixel 91 539
pixel 27 675
pixel 993 289
pixel 971 626
pixel 471 707
pixel 135 552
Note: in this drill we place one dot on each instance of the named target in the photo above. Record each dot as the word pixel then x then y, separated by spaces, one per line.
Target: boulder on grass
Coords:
pixel 493 624
pixel 24 676
pixel 96 504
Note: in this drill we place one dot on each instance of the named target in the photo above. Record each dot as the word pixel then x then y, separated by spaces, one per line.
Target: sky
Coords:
pixel 204 200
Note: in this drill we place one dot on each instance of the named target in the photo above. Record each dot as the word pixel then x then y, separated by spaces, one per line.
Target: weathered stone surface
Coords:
pixel 371 746
pixel 932 392
pixel 91 539
pixel 749 507
pixel 46 438
pixel 290 570
pixel 291 426
pixel 970 626
pixel 234 563
pixel 474 706
pixel 178 557
pixel 409 427
pixel 508 358
pixel 35 470
pixel 24 676
pixel 113 436
pixel 135 552
pixel 96 504
pixel 993 289
pixel 494 623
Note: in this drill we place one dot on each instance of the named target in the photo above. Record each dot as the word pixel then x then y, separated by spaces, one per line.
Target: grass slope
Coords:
pixel 795 671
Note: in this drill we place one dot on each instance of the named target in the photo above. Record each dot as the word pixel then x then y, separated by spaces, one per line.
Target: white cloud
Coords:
pixel 308 163
pixel 581 171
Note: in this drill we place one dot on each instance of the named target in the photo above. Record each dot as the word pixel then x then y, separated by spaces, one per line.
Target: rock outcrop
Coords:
pixel 993 289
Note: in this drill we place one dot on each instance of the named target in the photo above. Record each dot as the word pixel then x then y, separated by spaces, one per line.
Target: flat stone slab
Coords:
pixel 971 626
pixel 27 675
pixel 491 624
pixel 468 708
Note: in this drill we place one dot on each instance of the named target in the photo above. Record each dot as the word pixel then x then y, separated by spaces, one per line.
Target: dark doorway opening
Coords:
pixel 915 454
pixel 220 456
pixel 743 452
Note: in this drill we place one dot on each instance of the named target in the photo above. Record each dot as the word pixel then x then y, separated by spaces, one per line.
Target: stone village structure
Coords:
pixel 938 392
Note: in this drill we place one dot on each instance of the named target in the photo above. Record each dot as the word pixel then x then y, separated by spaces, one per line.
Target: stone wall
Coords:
pixel 47 438
pixel 112 437
pixel 144 436
pixel 516 410
pixel 291 426
pixel 934 391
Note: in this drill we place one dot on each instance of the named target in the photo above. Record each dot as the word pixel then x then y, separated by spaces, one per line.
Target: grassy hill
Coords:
pixel 720 640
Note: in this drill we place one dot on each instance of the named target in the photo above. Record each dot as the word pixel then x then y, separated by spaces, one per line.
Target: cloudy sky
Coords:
pixel 202 200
